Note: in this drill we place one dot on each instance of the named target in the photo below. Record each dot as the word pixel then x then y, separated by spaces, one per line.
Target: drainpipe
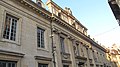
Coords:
pixel 52 45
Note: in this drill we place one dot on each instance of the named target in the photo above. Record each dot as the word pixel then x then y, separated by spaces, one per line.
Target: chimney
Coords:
pixel 40 3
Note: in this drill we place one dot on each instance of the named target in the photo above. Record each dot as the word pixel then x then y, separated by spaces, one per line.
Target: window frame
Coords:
pixel 64 65
pixel 43 32
pixel 43 64
pixel 18 30
pixel 10 18
pixel 77 51
pixel 8 62
pixel 62 44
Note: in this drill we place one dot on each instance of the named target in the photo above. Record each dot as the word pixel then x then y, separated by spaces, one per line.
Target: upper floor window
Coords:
pixel 8 64
pixel 76 49
pixel 95 56
pixel 42 65
pixel 62 44
pixel 10 27
pixel 40 38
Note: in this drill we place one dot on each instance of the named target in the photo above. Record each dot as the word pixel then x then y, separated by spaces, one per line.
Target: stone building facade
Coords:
pixel 31 36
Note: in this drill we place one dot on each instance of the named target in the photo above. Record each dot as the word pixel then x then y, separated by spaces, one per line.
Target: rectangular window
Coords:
pixel 42 65
pixel 10 27
pixel 76 49
pixel 65 65
pixel 8 64
pixel 40 38
pixel 62 44
pixel 95 56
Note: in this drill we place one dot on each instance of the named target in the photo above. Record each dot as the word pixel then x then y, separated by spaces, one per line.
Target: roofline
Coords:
pixel 93 43
pixel 70 15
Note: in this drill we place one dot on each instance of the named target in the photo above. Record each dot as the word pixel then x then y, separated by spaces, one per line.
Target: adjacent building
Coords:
pixel 31 36
pixel 115 7
pixel 114 55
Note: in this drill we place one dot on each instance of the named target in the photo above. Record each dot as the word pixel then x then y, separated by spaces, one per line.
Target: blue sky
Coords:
pixel 97 16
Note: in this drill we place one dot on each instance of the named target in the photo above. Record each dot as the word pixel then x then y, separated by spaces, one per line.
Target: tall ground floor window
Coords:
pixel 42 65
pixel 65 65
pixel 8 63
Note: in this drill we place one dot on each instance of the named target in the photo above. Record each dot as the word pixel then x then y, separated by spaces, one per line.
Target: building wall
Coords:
pixel 114 55
pixel 93 56
pixel 78 50
pixel 26 41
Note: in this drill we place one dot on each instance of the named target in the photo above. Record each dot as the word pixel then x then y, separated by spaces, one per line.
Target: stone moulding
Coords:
pixel 10 53
pixel 61 22
pixel 82 58
pixel 43 58
pixel 65 55
pixel 66 61
pixel 33 6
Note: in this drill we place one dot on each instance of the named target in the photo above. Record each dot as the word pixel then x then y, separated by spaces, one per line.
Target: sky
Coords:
pixel 97 17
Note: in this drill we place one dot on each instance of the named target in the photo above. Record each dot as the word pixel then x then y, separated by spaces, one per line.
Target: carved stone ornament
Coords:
pixel 65 55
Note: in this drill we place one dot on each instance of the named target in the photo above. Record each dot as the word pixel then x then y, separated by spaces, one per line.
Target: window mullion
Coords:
pixel 11 64
pixel 63 45
pixel 6 64
pixel 13 37
pixel 10 27
pixel 78 49
pixel 40 38
pixel 6 27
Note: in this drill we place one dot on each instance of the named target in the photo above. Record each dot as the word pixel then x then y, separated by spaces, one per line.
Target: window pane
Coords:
pixel 13 29
pixel 4 64
pixel 40 38
pixel 9 65
pixel 62 44
pixel 42 65
pixel 0 64
pixel 13 64
pixel 10 27
pixel 65 65
pixel 7 27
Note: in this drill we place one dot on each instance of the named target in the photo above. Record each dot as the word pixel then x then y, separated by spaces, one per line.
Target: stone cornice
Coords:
pixel 10 53
pixel 22 12
pixel 66 25
pixel 43 58
pixel 53 3
pixel 93 43
pixel 80 34
pixel 80 57
pixel 33 6
pixel 62 10
pixel 66 61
